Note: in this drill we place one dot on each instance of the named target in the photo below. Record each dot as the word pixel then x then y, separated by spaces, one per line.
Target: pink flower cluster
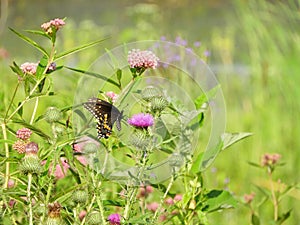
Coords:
pixel 52 24
pixel 142 59
pixel 29 68
pixel 24 133
pixel 113 96
pixel 141 120
pixel 269 159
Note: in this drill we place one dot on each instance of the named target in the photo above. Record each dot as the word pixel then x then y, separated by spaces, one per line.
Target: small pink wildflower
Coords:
pixel 169 201
pixel 270 159
pixel 113 96
pixel 152 206
pixel 178 198
pixel 249 197
pixel 114 219
pixel 145 191
pixel 24 133
pixel 10 183
pixel 19 145
pixel 142 120
pixel 55 24
pixel 60 169
pixel 142 59
pixel 82 214
pixel 29 68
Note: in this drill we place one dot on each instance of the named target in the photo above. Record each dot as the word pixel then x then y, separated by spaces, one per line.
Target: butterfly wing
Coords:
pixel 106 115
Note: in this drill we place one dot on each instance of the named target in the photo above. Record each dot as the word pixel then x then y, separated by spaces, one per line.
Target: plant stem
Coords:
pixel 6 156
pixel 99 202
pixel 29 198
pixel 162 200
pixel 12 99
pixel 34 110
pixel 274 198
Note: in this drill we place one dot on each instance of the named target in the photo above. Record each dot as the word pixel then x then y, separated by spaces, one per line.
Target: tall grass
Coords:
pixel 266 101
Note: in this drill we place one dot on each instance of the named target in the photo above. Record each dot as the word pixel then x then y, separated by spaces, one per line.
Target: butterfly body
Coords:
pixel 106 115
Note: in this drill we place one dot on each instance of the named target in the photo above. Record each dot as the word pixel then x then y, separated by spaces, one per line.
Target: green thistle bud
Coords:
pixel 139 139
pixel 53 114
pixel 54 221
pixel 93 218
pixel 80 196
pixel 150 92
pixel 176 160
pixel 30 164
pixel 90 148
pixel 158 104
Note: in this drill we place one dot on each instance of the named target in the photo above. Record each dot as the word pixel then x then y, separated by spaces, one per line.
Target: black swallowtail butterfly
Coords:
pixel 106 115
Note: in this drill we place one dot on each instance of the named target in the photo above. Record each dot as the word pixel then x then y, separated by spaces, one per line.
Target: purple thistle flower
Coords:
pixel 142 59
pixel 142 120
pixel 114 219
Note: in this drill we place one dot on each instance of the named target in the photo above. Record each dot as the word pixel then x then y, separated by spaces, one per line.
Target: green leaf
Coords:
pixel 31 42
pixel 41 85
pixel 41 69
pixel 77 49
pixel 20 111
pixel 255 219
pixel 231 138
pixel 119 74
pixel 96 75
pixel 205 97
pixel 283 217
pixel 209 155
pixel 219 199
pixel 15 68
pixel 197 163
pixel 39 32
pixel 6 141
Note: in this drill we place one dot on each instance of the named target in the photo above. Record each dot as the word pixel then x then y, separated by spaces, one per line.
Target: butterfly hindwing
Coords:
pixel 106 115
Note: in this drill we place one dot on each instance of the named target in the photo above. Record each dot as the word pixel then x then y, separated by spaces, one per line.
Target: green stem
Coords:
pixel 162 200
pixel 133 190
pixel 6 176
pixel 100 205
pixel 34 110
pixel 89 208
pixel 274 198
pixel 29 198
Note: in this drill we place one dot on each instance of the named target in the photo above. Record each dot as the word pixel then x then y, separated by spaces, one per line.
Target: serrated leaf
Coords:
pixel 31 42
pixel 231 138
pixel 219 199
pixel 77 49
pixel 96 75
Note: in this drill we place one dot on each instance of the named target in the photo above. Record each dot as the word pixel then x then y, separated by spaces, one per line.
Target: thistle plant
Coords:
pixel 65 173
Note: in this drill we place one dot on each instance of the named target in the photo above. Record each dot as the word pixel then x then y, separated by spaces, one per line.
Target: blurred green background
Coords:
pixel 254 51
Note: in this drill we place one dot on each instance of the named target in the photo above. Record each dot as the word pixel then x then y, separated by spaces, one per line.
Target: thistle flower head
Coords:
pixel 141 120
pixel 114 219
